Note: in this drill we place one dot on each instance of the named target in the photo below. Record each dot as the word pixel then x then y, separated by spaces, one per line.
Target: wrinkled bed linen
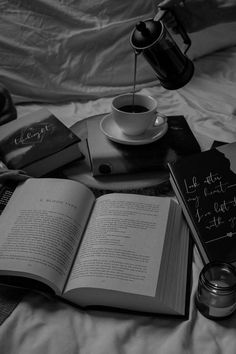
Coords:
pixel 55 50
pixel 40 325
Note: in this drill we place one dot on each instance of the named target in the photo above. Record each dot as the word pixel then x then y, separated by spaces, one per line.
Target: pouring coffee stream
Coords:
pixel 135 73
pixel 151 38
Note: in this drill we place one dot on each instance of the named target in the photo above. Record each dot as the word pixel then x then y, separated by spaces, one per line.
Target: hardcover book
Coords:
pixel 38 143
pixel 205 185
pixel 108 157
pixel 119 250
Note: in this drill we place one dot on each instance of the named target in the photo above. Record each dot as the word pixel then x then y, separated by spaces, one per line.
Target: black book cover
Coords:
pixel 108 157
pixel 205 185
pixel 34 137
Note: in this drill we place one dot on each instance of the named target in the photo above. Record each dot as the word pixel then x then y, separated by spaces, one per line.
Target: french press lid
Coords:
pixel 145 33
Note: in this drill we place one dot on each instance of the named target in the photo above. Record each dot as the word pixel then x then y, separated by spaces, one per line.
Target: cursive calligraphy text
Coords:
pixel 33 134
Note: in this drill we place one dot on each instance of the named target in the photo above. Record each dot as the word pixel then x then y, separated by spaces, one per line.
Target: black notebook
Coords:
pixel 205 185
pixel 38 143
pixel 108 157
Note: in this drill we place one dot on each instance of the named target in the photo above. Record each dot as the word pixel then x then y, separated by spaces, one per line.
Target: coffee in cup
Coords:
pixel 133 108
pixel 135 113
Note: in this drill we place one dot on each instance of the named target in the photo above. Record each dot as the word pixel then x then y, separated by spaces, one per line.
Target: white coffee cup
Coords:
pixel 136 123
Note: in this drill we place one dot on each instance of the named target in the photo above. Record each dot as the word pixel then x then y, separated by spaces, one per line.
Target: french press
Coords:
pixel 151 38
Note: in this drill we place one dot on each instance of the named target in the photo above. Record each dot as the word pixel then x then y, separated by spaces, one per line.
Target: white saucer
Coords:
pixel 109 127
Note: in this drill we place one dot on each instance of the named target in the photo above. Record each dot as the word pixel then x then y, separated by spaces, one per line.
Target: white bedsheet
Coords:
pixel 39 325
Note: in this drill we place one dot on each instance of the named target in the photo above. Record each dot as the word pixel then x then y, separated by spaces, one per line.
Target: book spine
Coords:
pixel 188 216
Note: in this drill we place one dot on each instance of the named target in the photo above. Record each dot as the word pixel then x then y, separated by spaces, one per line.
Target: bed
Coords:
pixel 72 57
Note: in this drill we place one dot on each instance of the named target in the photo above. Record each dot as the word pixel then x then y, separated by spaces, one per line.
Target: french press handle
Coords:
pixel 180 28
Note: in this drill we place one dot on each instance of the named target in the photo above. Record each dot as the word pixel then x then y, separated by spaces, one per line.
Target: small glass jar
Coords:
pixel 216 294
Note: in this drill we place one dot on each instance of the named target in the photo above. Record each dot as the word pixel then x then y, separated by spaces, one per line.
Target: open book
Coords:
pixel 119 250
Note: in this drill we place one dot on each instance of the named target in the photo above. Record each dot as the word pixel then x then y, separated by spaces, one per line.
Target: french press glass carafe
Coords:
pixel 151 38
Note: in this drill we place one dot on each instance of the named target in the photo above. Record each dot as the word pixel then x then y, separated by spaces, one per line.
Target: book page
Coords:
pixel 122 246
pixel 41 228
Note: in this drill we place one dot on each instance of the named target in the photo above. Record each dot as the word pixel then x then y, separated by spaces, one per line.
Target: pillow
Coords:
pixel 64 50
pixel 212 39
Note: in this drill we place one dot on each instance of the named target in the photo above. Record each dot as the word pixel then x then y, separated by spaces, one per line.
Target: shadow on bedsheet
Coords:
pixel 9 299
